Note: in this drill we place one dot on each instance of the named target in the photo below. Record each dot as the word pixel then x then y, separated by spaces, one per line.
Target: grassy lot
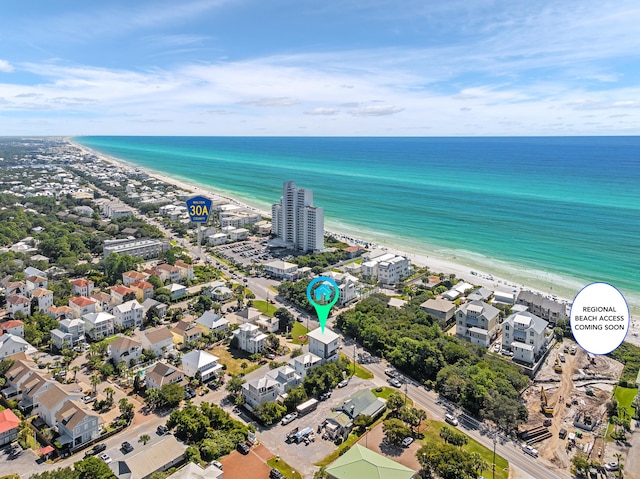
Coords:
pixel 233 359
pixel 298 330
pixel 386 392
pixel 284 468
pixel 625 397
pixel 361 372
pixel 109 340
pixel 432 434
pixel 265 308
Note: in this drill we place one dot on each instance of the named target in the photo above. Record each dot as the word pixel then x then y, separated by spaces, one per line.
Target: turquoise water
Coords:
pixel 562 210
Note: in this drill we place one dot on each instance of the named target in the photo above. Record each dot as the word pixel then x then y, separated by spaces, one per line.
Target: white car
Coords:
pixel 451 420
pixel 496 348
pixel 611 466
pixel 343 383
pixel 105 457
pixel 288 418
pixel 530 450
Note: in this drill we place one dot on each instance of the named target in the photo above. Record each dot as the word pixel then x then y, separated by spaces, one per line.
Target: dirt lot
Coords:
pixel 566 392
pixel 404 455
pixel 238 466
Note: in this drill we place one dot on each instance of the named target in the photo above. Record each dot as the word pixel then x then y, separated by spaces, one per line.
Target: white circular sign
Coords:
pixel 599 318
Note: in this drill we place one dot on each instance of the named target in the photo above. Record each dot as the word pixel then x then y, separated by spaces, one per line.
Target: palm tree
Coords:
pixel 75 370
pixel 95 380
pixel 144 439
pixel 109 392
pixel 477 463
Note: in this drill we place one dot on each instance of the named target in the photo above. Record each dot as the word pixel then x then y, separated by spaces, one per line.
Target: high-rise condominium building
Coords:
pixel 296 221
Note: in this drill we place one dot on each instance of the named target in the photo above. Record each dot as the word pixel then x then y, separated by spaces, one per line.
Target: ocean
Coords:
pixel 553 212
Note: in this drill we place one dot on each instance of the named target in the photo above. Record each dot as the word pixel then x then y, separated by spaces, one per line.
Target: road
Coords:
pixel 429 401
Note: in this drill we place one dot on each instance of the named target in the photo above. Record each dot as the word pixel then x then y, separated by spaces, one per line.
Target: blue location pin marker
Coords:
pixel 321 297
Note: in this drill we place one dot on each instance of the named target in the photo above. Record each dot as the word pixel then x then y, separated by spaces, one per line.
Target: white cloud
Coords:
pixel 5 66
pixel 323 111
pixel 376 110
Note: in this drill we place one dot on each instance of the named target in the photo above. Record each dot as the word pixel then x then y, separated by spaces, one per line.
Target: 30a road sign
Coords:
pixel 199 209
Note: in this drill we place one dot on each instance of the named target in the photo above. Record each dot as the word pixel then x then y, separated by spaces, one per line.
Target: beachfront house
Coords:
pixel 525 334
pixel 439 308
pixel 477 322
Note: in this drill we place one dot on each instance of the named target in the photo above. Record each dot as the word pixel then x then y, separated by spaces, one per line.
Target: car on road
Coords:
pixel 95 449
pixel 325 396
pixel 243 448
pixel 288 418
pixel 395 383
pixel 105 457
pixel 406 442
pixel 126 447
pixel 162 430
pixel 343 383
pixel 611 466
pixel 451 419
pixel 275 474
pixel 530 450
pixel 390 372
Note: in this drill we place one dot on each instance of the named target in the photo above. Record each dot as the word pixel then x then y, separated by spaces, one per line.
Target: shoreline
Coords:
pixel 496 280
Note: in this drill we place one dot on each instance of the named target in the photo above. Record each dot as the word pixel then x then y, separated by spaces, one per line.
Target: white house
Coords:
pixel 325 345
pixel 125 349
pixel 13 326
pixel 44 297
pixel 218 239
pixel 347 284
pixel 128 315
pixel 10 345
pixel 259 391
pixel 98 325
pixel 51 402
pixel 161 374
pixel 81 305
pixel 250 338
pixel 203 362
pixel 477 322
pixel 82 287
pixel 525 334
pixel 76 423
pixel 211 322
pixel 17 304
pixel 158 340
pixel 68 333
pixel 303 363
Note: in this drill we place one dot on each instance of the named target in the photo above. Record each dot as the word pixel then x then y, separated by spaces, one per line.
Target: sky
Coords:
pixel 320 68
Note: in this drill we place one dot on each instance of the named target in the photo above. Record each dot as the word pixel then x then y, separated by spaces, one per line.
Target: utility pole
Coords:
pixel 493 466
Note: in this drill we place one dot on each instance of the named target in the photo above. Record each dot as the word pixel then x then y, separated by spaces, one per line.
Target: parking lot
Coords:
pixel 245 252
pixel 301 456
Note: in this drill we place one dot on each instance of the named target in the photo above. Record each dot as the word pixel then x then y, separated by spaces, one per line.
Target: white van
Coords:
pixel 451 420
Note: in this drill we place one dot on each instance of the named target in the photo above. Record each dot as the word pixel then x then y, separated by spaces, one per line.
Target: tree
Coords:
pixel 76 370
pixel 295 396
pixel 285 319
pixel 61 473
pixel 171 394
pixel 234 385
pixel 580 464
pixel 269 412
pixel 126 410
pixel 273 342
pixel 395 430
pixel 95 380
pixel 395 403
pixel 115 264
pixel 362 421
pixel 109 392
pixel 155 281
pixel 144 439
pixel 152 317
pixel 93 468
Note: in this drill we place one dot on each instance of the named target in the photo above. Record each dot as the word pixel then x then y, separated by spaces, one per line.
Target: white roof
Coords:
pixel 128 306
pixel 327 337
pixel 199 358
pixel 94 318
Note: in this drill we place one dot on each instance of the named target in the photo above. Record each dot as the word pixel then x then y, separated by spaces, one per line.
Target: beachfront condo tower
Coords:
pixel 295 221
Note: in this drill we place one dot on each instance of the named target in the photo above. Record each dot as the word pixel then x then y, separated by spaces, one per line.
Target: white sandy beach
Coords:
pixel 436 264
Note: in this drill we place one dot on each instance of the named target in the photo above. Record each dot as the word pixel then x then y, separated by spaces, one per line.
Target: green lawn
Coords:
pixel 432 434
pixel 625 397
pixel 233 360
pixel 361 372
pixel 265 308
pixel 284 468
pixel 298 330
pixel 110 339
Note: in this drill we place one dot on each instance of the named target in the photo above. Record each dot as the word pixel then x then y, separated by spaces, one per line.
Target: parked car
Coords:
pixel 288 418
pixel 126 447
pixel 390 372
pixel 611 466
pixel 243 448
pixel 325 396
pixel 105 457
pixel 162 430
pixel 343 383
pixel 218 464
pixel 406 442
pixel 275 474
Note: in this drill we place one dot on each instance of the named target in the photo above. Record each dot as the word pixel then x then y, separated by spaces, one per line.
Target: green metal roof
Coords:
pixel 360 462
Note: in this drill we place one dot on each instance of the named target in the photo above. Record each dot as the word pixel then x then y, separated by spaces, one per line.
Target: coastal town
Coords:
pixel 138 344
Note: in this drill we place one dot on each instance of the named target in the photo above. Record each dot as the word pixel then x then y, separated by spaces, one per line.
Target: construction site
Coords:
pixel 566 404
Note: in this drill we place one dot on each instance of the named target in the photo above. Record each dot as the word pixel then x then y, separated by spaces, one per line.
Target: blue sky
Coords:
pixel 298 67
